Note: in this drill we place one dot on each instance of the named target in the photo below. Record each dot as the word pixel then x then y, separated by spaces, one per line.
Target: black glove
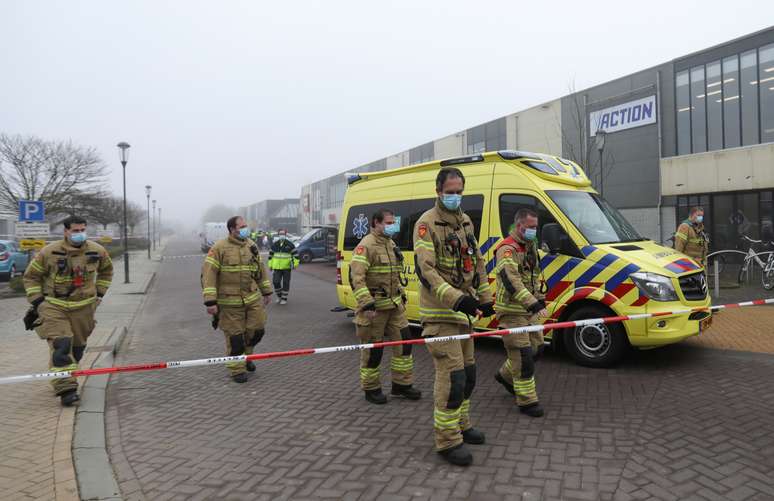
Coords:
pixel 31 317
pixel 487 309
pixel 539 305
pixel 215 321
pixel 467 305
pixel 369 307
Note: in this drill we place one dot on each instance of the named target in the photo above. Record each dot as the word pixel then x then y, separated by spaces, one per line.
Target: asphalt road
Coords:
pixel 676 423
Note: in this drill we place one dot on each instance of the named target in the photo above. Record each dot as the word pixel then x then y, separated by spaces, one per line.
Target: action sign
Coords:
pixel 32 230
pixel 624 116
pixel 31 210
pixel 28 244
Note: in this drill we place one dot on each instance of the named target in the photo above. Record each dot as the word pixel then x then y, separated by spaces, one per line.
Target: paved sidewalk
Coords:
pixel 36 433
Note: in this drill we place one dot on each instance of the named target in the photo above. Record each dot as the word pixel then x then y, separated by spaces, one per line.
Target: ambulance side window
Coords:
pixel 511 203
pixel 358 222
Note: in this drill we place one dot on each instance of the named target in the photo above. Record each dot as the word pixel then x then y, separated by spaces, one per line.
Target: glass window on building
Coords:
pixel 767 215
pixel 476 139
pixel 766 92
pixel 698 110
pixel 731 125
pixel 495 135
pixel 749 87
pixel 683 113
pixel 714 99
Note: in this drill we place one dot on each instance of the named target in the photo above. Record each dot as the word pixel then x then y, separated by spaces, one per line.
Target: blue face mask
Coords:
pixel 530 234
pixel 451 202
pixel 78 238
pixel 392 229
pixel 699 219
pixel 244 232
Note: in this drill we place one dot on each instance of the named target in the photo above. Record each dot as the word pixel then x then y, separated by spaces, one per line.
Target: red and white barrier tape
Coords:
pixel 353 347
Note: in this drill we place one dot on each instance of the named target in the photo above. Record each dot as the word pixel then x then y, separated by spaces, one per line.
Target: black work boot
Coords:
pixel 503 382
pixel 69 398
pixel 406 390
pixel 250 366
pixel 532 410
pixel 473 436
pixel 458 455
pixel 375 396
pixel 240 378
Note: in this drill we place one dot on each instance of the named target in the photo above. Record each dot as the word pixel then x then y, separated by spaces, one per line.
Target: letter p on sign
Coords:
pixel 31 210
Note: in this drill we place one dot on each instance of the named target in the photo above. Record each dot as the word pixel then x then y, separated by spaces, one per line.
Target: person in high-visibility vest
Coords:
pixel 282 259
pixel 65 283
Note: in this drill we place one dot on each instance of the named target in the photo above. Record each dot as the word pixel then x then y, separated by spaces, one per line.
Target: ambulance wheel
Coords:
pixel 600 345
pixel 305 257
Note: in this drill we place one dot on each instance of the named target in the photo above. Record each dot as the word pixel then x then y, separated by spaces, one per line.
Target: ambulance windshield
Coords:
pixel 595 218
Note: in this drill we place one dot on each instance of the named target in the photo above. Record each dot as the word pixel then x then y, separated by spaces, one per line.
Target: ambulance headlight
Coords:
pixel 656 287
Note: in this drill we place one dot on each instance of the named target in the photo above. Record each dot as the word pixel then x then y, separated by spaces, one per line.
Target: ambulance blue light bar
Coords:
pixel 462 160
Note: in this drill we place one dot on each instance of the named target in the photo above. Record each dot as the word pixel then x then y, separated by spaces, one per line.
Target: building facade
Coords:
pixel 273 215
pixel 697 130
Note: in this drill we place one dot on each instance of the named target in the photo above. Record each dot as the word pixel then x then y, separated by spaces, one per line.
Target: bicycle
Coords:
pixel 753 257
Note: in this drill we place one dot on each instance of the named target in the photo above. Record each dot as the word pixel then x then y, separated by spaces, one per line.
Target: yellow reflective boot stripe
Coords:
pixel 66 368
pixel 368 375
pixel 71 305
pixel 402 363
pixel 464 408
pixel 446 420
pixel 524 387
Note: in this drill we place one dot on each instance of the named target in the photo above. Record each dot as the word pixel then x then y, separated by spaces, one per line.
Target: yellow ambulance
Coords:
pixel 594 262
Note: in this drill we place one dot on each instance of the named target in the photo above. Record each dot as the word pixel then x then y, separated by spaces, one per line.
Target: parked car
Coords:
pixel 13 261
pixel 319 242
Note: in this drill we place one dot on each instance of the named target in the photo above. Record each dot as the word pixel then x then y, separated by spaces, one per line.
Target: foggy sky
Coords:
pixel 235 102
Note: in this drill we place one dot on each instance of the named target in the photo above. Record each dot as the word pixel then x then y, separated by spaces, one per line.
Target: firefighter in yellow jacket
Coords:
pixel 454 292
pixel 690 238
pixel 233 280
pixel 376 268
pixel 65 283
pixel 520 301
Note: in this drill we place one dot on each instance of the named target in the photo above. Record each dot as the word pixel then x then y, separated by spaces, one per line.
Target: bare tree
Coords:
pixel 56 172
pixel 579 146
pixel 135 214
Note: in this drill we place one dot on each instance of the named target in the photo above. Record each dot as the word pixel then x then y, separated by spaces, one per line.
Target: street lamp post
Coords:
pixel 599 138
pixel 154 225
pixel 160 227
pixel 123 148
pixel 147 195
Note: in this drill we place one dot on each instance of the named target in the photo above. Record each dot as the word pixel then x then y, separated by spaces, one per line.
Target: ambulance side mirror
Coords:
pixel 555 238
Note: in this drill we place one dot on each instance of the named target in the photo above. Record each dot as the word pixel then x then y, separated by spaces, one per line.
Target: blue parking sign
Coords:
pixel 31 210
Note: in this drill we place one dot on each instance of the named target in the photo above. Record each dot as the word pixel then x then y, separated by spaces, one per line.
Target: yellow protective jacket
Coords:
pixel 375 273
pixel 691 240
pixel 68 276
pixel 282 255
pixel 449 265
pixel 518 278
pixel 233 274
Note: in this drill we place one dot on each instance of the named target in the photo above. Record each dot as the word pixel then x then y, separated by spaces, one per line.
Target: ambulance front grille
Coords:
pixel 694 286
